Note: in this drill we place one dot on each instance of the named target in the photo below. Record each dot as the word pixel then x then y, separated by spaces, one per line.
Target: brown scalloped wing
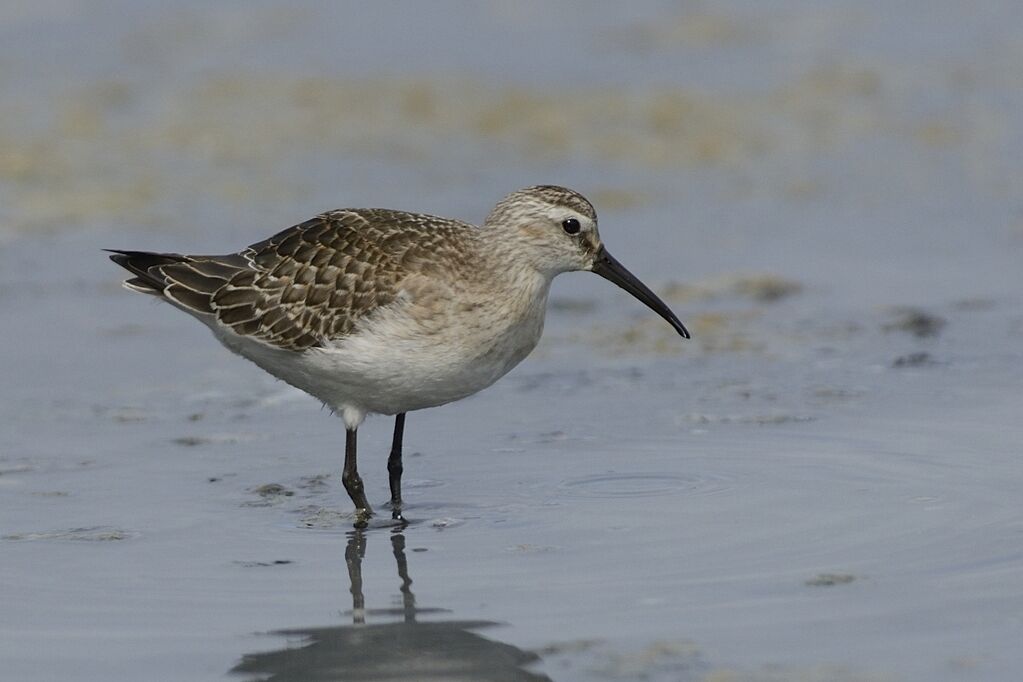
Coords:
pixel 312 282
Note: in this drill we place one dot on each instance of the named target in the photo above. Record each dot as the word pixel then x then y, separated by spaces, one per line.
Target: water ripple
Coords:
pixel 644 485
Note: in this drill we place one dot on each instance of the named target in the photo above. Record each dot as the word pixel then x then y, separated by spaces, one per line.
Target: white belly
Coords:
pixel 396 363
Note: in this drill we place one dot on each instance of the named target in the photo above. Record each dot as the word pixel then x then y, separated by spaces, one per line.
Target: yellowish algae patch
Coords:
pixel 780 673
pixel 114 150
pixel 728 329
pixel 698 28
pixel 661 127
pixel 759 287
pixel 713 332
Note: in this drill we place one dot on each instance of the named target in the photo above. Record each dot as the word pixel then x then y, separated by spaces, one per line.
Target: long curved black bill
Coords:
pixel 613 271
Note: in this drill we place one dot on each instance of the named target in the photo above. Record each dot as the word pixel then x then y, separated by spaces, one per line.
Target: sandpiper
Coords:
pixel 383 311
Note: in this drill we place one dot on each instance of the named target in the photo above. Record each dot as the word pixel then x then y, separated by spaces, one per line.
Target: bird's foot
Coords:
pixel 397 513
pixel 362 517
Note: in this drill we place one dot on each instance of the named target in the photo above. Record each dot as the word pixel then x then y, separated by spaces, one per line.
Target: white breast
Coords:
pixel 423 351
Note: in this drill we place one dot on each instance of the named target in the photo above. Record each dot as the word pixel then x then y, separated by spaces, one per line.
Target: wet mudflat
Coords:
pixel 822 485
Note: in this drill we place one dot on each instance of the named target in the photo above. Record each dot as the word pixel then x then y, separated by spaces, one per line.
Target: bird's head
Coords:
pixel 557 229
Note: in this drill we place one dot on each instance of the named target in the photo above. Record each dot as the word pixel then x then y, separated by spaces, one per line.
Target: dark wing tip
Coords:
pixel 140 264
pixel 118 256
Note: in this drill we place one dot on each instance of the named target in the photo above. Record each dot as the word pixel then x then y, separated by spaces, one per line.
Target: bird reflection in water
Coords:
pixel 404 649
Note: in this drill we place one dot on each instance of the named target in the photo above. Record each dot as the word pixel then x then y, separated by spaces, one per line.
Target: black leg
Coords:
pixel 353 483
pixel 394 467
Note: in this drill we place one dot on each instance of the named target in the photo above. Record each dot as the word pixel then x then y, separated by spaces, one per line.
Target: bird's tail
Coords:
pixel 143 264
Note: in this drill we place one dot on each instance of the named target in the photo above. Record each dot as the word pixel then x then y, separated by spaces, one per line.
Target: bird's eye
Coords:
pixel 571 226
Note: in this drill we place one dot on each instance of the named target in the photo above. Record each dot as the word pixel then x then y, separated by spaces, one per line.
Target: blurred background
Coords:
pixel 821 485
pixel 820 138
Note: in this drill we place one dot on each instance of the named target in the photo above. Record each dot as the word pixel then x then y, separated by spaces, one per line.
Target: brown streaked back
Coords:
pixel 310 283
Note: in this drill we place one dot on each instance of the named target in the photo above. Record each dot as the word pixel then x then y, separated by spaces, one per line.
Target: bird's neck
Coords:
pixel 521 256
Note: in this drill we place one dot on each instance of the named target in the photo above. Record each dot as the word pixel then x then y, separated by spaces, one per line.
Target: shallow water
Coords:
pixel 822 485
